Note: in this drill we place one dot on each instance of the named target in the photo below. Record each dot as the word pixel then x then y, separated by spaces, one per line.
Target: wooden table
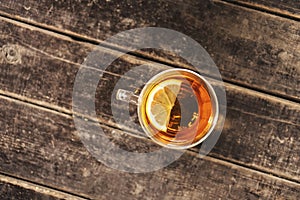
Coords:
pixel 255 44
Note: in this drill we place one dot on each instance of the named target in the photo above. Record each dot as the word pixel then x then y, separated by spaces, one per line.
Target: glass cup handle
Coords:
pixel 127 96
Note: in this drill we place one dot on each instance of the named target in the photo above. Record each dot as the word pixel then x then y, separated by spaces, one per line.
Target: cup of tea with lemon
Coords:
pixel 177 108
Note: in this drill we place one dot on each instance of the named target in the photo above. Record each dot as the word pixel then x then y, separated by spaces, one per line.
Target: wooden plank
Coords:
pixel 247 45
pixel 255 122
pixel 290 8
pixel 15 189
pixel 258 131
pixel 43 146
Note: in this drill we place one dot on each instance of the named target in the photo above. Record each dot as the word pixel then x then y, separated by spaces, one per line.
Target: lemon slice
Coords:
pixel 160 102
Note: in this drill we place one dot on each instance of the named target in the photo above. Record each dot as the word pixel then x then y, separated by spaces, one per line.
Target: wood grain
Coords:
pixel 257 125
pixel 15 189
pixel 44 146
pixel 290 8
pixel 247 45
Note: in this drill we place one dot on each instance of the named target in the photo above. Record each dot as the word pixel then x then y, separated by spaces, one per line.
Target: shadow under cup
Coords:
pixel 178 108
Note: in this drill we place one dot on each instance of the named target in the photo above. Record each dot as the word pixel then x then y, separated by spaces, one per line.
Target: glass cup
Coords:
pixel 177 108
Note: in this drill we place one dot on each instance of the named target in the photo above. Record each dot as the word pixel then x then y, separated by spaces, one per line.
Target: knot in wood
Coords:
pixel 11 54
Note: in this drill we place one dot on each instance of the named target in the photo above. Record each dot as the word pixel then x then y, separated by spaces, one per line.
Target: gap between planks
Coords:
pixel 39 188
pixel 68 114
pixel 262 8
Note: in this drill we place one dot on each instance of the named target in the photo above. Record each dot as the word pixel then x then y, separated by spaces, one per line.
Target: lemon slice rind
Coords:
pixel 158 108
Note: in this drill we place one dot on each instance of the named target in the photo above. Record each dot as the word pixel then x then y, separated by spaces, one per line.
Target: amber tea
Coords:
pixel 177 108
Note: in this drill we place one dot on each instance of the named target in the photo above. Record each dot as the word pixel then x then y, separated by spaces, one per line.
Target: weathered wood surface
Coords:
pixel 251 48
pixel 43 146
pixel 16 189
pixel 257 125
pixel 289 8
pixel 257 156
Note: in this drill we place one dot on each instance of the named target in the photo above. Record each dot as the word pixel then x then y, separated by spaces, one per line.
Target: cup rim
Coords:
pixel 211 92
